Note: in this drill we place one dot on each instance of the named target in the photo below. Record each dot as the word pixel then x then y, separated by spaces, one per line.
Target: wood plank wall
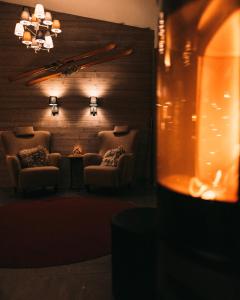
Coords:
pixel 124 87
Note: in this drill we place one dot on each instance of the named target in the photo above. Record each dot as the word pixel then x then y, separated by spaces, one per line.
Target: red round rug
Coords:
pixel 58 231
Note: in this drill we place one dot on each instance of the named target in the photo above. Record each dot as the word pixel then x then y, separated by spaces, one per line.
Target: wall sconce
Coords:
pixel 53 102
pixel 93 106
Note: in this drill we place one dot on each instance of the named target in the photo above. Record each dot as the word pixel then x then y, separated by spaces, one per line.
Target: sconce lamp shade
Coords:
pixel 27 38
pixel 93 101
pixel 39 11
pixel 53 100
pixel 48 18
pixel 25 17
pixel 19 29
pixel 40 37
pixel 56 26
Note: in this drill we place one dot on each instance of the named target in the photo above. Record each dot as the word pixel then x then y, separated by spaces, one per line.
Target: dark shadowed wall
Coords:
pixel 124 87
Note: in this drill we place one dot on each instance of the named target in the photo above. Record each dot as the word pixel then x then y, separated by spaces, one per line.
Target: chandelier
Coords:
pixel 36 30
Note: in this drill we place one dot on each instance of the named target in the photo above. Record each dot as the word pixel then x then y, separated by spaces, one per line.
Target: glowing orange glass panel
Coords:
pixel 198 113
pixel 217 159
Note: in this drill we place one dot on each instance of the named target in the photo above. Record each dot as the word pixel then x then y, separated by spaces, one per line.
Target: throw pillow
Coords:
pixel 33 157
pixel 111 157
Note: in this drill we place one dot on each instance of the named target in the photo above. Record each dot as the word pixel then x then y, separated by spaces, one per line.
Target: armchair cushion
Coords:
pixel 33 157
pixel 38 176
pixel 111 157
pixel 101 176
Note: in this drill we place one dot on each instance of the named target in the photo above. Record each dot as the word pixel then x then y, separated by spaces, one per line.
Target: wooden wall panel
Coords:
pixel 124 87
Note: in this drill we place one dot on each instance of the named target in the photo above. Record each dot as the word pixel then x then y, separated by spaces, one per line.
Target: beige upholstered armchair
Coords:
pixel 98 174
pixel 24 178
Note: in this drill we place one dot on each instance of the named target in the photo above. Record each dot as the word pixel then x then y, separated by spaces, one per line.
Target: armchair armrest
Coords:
pixel 126 167
pixel 54 159
pixel 14 167
pixel 91 159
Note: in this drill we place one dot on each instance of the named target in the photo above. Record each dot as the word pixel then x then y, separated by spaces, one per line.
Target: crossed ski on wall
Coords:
pixel 72 64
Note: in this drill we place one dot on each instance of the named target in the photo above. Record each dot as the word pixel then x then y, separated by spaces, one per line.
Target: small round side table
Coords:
pixel 76 170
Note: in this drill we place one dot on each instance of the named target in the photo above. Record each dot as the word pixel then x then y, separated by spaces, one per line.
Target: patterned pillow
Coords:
pixel 33 157
pixel 111 157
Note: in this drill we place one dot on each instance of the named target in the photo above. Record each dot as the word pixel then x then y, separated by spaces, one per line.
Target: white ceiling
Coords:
pixel 140 13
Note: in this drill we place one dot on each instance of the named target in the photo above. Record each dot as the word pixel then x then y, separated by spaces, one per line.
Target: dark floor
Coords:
pixel 142 195
pixel 180 277
pixel 90 280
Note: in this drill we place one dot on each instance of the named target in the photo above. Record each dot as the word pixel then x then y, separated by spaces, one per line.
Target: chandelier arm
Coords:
pixel 42 25
pixel 30 30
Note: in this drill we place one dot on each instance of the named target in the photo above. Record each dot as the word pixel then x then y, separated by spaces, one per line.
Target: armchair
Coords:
pixel 30 177
pixel 97 174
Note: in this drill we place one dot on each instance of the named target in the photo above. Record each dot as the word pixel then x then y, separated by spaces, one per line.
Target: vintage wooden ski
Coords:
pixel 75 68
pixel 60 63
